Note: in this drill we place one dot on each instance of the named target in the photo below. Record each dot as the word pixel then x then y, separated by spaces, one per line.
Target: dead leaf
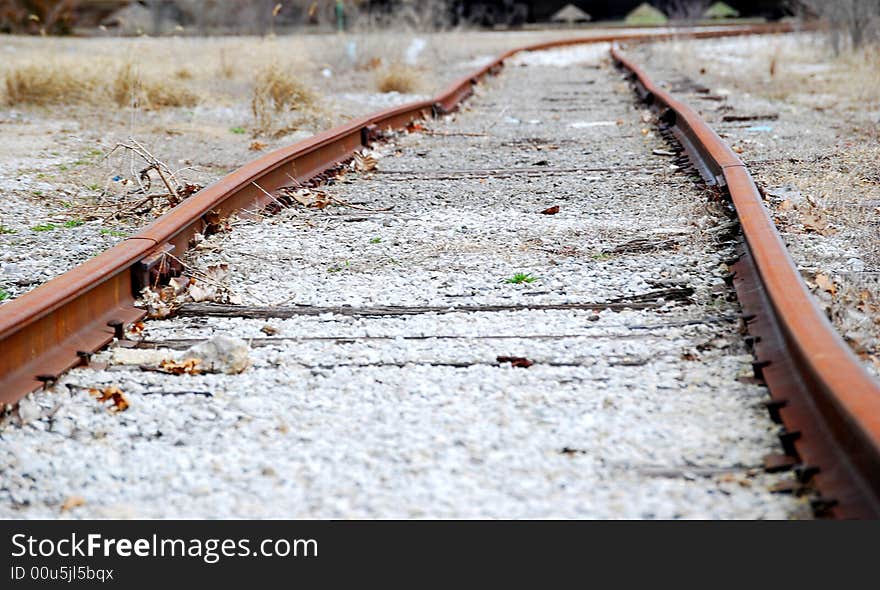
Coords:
pixel 321 200
pixel 364 161
pixel 865 302
pixel 179 284
pixel 269 330
pixel 199 293
pixel 216 223
pixel 815 222
pixel 826 284
pixel 303 197
pixel 72 502
pixel 516 361
pixel 551 210
pixel 257 146
pixel 565 251
pixel 189 189
pixel 370 65
pixel 311 198
pixel 217 273
pixel 156 307
pixel 184 367
pixel 111 394
pixel 137 327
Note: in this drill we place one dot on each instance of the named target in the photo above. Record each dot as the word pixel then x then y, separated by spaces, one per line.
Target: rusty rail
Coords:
pixel 828 402
pixel 59 324
pixel 830 406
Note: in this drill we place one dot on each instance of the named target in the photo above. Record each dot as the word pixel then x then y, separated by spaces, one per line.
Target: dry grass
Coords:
pixel 162 94
pixel 226 68
pixel 861 73
pixel 802 70
pixel 71 83
pixel 47 85
pixel 131 88
pixel 125 86
pixel 276 90
pixel 397 78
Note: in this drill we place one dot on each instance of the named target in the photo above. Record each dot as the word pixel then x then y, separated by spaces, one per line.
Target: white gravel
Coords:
pixel 625 414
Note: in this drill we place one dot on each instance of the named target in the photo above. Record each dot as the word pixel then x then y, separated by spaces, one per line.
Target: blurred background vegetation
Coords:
pixel 851 23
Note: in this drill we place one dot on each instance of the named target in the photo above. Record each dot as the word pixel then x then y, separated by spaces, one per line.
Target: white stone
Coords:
pixel 220 354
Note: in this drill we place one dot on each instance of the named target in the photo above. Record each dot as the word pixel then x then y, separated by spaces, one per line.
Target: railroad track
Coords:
pixel 431 293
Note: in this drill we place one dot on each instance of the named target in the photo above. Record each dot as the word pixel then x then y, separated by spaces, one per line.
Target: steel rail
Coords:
pixel 828 402
pixel 59 324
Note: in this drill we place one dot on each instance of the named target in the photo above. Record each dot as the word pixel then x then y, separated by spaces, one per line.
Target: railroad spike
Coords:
pixel 805 473
pixel 778 462
pixel 732 261
pixel 758 367
pixel 773 408
pixel 118 329
pixel 787 486
pixel 369 134
pixel 787 439
pixel 822 506
pixel 47 380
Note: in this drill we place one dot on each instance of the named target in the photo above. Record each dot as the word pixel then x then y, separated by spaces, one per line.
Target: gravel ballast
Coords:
pixel 639 412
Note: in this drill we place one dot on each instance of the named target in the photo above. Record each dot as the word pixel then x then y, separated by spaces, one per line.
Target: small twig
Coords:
pixel 453 134
pixel 339 201
pixel 201 275
pixel 120 212
pixel 298 183
pixel 204 278
pixel 204 393
pixel 173 193
pixel 268 194
pixel 154 163
pixel 359 207
pixel 158 166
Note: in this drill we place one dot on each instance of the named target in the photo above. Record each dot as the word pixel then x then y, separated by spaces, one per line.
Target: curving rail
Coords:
pixel 826 399
pixel 829 404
